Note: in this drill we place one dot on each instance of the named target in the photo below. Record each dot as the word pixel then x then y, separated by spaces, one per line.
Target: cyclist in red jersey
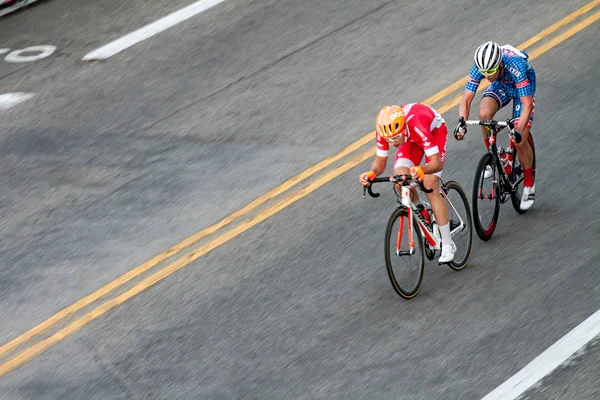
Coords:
pixel 416 130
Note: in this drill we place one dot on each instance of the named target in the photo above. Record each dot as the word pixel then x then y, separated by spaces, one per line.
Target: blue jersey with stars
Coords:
pixel 517 77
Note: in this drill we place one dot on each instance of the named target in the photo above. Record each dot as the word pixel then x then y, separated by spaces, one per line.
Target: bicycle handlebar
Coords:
pixel 404 179
pixel 490 122
pixel 494 124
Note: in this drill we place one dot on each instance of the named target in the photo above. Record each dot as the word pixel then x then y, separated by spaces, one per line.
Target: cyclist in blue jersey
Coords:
pixel 512 78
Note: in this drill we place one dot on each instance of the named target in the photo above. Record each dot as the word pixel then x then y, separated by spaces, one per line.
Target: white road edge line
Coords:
pixel 8 100
pixel 150 30
pixel 549 360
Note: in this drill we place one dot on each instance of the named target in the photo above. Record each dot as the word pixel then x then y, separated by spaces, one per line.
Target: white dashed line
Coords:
pixel 150 30
pixel 8 100
pixel 549 360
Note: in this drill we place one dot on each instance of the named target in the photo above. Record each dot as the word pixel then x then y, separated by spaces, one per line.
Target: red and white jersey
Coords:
pixel 421 121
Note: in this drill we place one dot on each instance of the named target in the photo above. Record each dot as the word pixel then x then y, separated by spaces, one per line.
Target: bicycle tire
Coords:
pixel 485 232
pixel 515 195
pixel 419 252
pixel 464 211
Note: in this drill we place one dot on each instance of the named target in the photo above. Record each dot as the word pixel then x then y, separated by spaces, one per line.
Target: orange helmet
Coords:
pixel 390 122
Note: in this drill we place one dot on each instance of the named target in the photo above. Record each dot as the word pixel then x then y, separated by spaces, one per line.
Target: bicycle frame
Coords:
pixel 432 235
pixel 410 258
pixel 505 185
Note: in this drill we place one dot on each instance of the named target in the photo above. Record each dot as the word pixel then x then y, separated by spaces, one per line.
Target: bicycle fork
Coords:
pixel 410 236
pixel 406 202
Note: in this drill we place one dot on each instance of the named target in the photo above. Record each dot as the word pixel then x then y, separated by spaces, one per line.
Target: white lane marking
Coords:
pixel 549 360
pixel 150 30
pixel 42 51
pixel 4 51
pixel 8 100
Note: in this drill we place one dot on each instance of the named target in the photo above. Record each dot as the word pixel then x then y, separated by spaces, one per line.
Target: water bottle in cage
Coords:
pixel 510 153
pixel 423 214
pixel 504 160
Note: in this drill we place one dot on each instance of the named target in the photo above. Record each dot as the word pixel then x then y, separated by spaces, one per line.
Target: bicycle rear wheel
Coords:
pixel 517 176
pixel 461 224
pixel 486 198
pixel 405 270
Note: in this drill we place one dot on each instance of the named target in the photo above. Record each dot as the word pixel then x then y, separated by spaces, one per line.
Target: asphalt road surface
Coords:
pixel 111 163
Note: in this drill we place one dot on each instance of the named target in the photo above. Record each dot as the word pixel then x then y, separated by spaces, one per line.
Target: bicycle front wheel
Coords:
pixel 486 197
pixel 405 267
pixel 517 176
pixel 461 224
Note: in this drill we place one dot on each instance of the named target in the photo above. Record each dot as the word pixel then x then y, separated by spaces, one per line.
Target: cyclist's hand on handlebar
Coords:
pixel 366 177
pixel 516 136
pixel 460 130
pixel 417 173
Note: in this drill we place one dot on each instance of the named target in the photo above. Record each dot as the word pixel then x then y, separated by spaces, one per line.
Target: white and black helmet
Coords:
pixel 487 56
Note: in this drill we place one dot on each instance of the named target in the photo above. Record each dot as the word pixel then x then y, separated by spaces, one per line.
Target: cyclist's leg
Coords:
pixel 438 204
pixel 432 181
pixel 524 150
pixel 525 156
pixel 494 98
pixel 408 156
pixel 440 211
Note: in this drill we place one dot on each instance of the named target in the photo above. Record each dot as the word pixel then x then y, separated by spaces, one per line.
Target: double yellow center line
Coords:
pixel 40 338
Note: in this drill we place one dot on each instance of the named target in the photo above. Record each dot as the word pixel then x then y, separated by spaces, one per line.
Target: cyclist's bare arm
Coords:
pixel 377 167
pixel 463 111
pixel 434 165
pixel 527 104
pixel 465 104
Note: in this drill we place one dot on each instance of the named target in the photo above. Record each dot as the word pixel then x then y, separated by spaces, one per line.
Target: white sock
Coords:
pixel 445 231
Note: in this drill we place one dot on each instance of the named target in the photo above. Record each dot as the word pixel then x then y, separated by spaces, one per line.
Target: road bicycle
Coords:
pixel 505 181
pixel 410 237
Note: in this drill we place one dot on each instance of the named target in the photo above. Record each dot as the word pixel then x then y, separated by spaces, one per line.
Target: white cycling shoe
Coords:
pixel 448 251
pixel 528 197
pixel 488 172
